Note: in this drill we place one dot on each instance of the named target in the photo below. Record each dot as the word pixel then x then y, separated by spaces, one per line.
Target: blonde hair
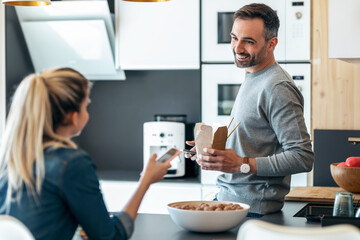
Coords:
pixel 40 104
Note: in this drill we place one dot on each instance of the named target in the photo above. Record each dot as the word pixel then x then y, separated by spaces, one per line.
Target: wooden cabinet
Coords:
pixel 335 83
pixel 118 193
pixel 163 35
pixel 344 34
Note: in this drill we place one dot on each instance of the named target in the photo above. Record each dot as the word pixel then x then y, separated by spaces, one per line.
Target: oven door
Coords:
pixel 219 87
pixel 217 19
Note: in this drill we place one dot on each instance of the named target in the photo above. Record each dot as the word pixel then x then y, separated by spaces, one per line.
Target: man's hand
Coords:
pixel 188 155
pixel 223 160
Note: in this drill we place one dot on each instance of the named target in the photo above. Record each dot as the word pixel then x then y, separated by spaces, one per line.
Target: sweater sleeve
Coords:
pixel 80 188
pixel 285 116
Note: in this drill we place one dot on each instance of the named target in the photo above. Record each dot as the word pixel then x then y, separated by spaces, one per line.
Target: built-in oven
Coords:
pixel 221 79
pixel 294 31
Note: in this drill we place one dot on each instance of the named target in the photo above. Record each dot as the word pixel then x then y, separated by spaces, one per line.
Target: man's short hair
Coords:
pixel 264 12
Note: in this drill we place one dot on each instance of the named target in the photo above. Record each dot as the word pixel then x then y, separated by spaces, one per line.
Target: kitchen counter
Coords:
pixel 161 226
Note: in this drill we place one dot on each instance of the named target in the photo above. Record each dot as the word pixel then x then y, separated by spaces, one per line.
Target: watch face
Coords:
pixel 245 168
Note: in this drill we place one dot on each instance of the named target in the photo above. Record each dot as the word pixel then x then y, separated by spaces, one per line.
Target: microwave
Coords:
pixel 293 35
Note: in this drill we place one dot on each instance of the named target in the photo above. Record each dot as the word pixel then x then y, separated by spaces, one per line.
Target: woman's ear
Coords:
pixel 72 118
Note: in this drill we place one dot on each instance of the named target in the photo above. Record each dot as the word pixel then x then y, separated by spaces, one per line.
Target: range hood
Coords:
pixel 76 34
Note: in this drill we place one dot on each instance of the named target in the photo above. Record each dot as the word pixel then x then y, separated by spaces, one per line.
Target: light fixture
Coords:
pixel 146 0
pixel 26 2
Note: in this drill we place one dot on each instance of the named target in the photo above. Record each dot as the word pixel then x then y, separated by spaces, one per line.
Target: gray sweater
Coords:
pixel 272 130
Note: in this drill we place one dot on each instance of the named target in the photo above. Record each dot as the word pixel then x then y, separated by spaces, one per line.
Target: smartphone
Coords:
pixel 188 151
pixel 169 155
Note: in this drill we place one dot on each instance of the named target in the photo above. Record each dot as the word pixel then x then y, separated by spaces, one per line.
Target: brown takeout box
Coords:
pixel 205 138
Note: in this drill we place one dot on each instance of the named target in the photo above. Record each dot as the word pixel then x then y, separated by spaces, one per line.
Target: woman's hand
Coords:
pixel 154 171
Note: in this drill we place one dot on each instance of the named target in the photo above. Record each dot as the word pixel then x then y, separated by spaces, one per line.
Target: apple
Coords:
pixel 353 162
pixel 342 164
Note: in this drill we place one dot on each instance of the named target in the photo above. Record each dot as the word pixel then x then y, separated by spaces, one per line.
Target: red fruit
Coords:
pixel 353 162
pixel 342 164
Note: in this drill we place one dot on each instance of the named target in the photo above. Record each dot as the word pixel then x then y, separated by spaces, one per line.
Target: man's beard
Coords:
pixel 253 60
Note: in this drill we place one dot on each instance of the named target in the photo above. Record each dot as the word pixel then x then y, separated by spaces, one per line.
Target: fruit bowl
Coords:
pixel 348 178
pixel 188 216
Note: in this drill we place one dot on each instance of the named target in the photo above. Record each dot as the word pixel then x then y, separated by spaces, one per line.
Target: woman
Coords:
pixel 45 180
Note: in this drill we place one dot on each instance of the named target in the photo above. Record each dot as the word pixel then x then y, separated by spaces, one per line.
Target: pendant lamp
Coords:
pixel 146 0
pixel 26 2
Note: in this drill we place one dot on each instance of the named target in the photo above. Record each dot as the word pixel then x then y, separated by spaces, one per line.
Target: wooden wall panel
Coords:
pixel 335 83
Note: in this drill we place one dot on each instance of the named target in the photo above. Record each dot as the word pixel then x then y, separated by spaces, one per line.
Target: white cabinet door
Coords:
pixel 161 194
pixel 344 33
pixel 163 35
pixel 118 193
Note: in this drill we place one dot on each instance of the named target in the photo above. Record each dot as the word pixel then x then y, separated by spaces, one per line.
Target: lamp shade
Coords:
pixel 26 2
pixel 146 0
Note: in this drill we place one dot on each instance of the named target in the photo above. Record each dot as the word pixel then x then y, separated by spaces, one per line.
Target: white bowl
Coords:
pixel 207 221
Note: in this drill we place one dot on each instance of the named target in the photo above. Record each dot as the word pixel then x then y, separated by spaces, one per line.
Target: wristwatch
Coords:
pixel 245 167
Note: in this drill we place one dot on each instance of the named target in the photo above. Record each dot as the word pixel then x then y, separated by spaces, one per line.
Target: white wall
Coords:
pixel 2 69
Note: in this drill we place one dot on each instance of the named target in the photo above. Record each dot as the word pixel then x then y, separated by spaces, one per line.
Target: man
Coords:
pixel 272 138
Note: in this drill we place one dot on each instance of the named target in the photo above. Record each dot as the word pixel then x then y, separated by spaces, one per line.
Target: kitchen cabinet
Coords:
pixel 335 83
pixel 163 35
pixel 118 193
pixel 344 36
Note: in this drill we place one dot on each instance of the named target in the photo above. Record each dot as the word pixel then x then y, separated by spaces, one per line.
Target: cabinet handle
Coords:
pixel 354 140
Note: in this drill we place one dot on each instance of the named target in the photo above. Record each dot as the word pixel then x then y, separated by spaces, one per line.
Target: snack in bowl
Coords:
pixel 207 207
pixel 208 216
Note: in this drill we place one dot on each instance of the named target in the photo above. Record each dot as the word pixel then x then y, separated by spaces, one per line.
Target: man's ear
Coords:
pixel 272 43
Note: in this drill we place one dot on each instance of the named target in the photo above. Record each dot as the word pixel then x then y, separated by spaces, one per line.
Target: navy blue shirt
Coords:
pixel 70 196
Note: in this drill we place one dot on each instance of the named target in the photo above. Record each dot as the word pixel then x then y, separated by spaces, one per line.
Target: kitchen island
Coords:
pixel 161 226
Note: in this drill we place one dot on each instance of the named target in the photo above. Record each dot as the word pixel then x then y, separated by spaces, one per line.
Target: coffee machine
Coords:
pixel 159 137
